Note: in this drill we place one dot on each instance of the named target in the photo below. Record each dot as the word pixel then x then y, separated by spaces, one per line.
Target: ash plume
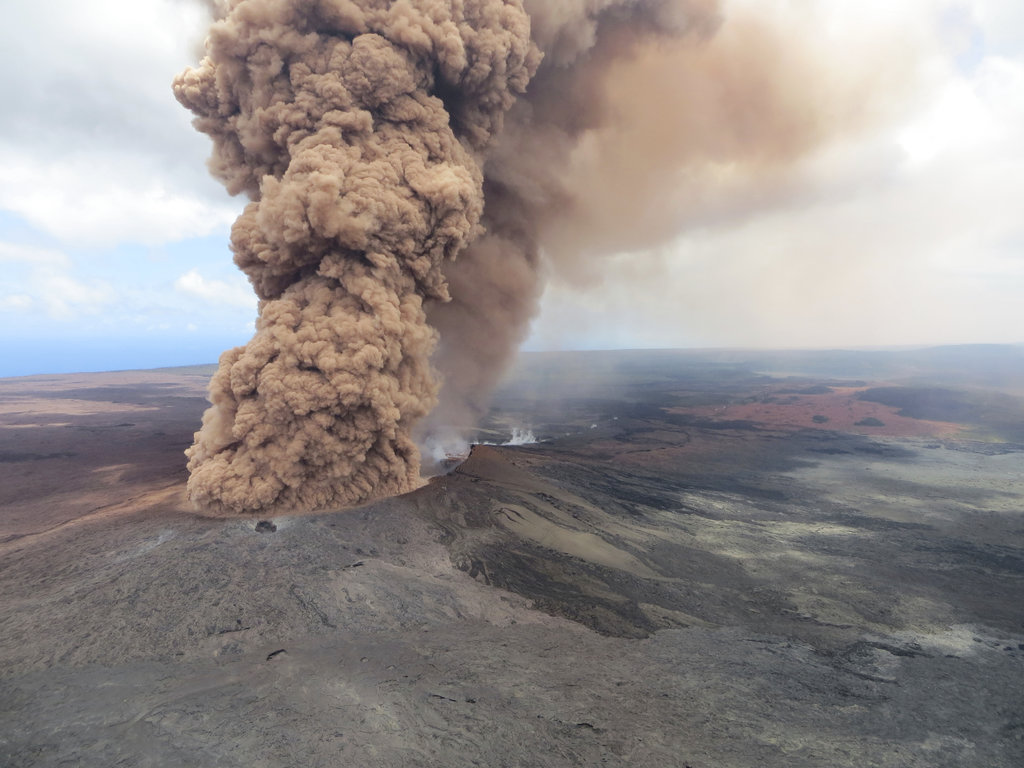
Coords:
pixel 416 168
pixel 355 129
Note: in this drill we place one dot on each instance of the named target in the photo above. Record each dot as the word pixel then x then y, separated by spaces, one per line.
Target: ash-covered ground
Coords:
pixel 714 559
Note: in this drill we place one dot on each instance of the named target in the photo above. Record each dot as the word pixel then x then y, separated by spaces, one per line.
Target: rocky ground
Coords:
pixel 658 582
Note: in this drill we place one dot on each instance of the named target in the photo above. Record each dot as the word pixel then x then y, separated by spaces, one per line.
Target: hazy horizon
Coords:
pixel 142 356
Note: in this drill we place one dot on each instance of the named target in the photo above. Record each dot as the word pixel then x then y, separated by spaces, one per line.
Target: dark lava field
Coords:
pixel 704 559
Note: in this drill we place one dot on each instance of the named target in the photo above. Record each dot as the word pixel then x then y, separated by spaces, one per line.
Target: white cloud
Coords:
pixel 15 302
pixel 236 293
pixel 42 277
pixel 102 199
pixel 94 149
pixel 958 119
pixel 32 256
pixel 1002 22
pixel 66 298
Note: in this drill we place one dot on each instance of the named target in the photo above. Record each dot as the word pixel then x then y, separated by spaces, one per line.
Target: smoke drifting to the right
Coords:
pixel 644 118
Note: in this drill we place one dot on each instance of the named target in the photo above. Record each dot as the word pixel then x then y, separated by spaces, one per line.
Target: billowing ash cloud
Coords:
pixel 415 167
pixel 356 129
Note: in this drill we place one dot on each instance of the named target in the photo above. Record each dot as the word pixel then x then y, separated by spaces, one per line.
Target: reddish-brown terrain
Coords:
pixel 840 408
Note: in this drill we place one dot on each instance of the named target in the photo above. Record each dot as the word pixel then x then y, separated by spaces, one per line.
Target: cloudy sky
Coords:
pixel 113 239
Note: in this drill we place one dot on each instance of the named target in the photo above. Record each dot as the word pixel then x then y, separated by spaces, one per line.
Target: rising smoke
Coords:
pixel 415 168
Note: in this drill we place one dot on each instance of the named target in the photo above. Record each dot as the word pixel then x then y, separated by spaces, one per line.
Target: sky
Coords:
pixel 909 231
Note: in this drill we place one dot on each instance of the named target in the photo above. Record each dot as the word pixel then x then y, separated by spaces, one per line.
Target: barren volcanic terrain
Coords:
pixel 707 559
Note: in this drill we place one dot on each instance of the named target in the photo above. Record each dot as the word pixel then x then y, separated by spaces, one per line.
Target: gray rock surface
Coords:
pixel 768 598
